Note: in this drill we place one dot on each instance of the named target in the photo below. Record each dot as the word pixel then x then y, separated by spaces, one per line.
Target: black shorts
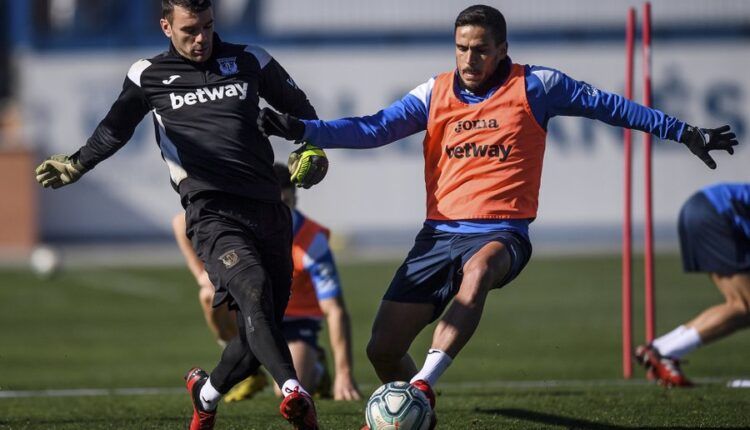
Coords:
pixel 304 329
pixel 433 270
pixel 231 233
pixel 709 240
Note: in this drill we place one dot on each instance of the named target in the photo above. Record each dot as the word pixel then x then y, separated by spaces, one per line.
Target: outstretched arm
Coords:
pixel 117 127
pixel 552 93
pixel 402 118
pixel 110 135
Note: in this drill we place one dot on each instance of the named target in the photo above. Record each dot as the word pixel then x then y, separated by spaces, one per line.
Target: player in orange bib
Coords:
pixel 486 124
pixel 316 294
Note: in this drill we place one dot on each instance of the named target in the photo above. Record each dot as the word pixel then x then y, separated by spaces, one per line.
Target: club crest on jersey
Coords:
pixel 228 66
pixel 229 258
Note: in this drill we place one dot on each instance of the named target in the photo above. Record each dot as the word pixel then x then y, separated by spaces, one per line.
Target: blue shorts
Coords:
pixel 709 241
pixel 304 329
pixel 433 270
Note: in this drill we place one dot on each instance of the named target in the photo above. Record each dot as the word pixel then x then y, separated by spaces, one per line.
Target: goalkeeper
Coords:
pixel 222 167
pixel 316 294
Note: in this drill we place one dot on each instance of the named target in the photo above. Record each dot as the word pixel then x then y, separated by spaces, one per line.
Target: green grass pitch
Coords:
pixel 546 355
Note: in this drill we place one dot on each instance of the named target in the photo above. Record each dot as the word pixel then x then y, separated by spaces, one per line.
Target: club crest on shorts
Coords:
pixel 230 259
pixel 228 66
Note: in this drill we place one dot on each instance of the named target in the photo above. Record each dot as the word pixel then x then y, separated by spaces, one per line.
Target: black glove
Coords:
pixel 702 140
pixel 272 123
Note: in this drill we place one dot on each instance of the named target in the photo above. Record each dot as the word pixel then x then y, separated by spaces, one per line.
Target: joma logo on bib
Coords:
pixel 205 95
pixel 477 124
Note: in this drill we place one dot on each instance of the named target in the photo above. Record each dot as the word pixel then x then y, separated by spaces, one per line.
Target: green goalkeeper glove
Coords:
pixel 59 170
pixel 307 166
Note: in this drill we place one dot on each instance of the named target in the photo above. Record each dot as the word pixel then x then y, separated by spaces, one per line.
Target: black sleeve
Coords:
pixel 117 127
pixel 281 92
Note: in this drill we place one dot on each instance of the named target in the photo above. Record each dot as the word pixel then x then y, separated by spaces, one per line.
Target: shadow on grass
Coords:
pixel 559 393
pixel 577 423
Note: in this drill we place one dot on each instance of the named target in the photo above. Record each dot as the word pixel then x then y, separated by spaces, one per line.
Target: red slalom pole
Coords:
pixel 627 219
pixel 649 229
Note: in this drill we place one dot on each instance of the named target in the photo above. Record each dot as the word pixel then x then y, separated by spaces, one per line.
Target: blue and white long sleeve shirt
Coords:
pixel 549 93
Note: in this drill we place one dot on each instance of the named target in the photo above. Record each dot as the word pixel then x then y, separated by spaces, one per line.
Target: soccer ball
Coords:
pixel 398 405
pixel 44 261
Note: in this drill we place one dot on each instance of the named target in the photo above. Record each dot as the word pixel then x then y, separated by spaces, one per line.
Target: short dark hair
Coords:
pixel 282 174
pixel 195 6
pixel 484 16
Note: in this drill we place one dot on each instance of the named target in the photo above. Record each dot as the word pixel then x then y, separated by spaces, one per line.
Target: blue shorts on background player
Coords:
pixel 714 228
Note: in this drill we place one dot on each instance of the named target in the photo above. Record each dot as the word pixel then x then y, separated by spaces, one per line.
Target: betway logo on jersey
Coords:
pixel 471 149
pixel 205 95
pixel 477 124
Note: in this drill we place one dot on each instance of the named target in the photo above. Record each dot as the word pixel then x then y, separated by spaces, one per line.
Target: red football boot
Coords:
pixel 298 408
pixel 202 419
pixel 665 370
pixel 425 388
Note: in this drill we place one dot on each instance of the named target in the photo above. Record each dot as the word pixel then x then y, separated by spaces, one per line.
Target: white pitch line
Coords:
pixel 90 392
pixel 564 383
pixel 129 284
pixel 567 383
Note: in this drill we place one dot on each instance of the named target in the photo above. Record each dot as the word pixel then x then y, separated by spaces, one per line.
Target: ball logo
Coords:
pixel 477 124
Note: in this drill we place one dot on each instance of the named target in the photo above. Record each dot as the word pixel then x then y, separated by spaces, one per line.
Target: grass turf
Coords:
pixel 560 320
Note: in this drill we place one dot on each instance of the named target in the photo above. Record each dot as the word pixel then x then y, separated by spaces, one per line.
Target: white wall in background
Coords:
pixel 65 95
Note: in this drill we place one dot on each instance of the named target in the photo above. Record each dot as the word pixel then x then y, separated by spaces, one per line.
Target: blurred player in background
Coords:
pixel 316 293
pixel 486 125
pixel 714 229
pixel 220 319
pixel 204 94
